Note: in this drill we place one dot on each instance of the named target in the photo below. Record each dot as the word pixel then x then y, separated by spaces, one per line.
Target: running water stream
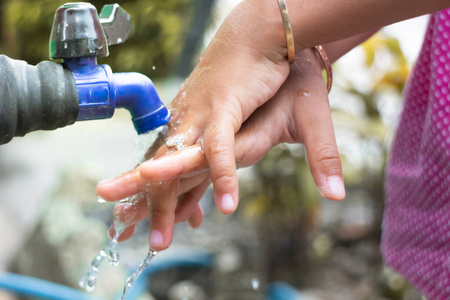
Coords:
pixel 135 275
pixel 111 251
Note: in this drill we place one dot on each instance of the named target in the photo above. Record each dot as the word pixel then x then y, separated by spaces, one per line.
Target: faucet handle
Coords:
pixel 116 23
pixel 78 31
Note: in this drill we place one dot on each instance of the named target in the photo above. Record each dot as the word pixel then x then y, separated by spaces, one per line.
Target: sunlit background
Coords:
pixel 51 225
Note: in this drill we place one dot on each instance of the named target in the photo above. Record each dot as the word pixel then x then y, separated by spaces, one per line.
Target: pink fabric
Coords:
pixel 416 226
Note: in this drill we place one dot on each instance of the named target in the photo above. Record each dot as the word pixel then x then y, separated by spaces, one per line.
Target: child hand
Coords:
pixel 298 113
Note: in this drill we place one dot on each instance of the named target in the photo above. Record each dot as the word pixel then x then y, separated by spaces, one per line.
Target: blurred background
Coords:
pixel 51 225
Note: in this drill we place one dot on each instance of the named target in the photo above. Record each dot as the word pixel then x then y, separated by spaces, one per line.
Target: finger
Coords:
pixel 196 219
pixel 188 202
pixel 131 183
pixel 131 213
pixel 127 233
pixel 125 185
pixel 324 161
pixel 163 201
pixel 189 183
pixel 315 126
pixel 190 159
pixel 219 151
pixel 255 138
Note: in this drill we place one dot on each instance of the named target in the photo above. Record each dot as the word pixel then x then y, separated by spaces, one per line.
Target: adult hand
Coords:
pixel 299 113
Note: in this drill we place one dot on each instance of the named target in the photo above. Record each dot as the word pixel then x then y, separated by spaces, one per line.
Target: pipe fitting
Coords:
pixel 100 92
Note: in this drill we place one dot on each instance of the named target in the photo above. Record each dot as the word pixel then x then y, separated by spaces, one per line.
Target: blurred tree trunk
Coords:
pixel 200 18
pixel 8 32
pixel 290 203
pixel 2 25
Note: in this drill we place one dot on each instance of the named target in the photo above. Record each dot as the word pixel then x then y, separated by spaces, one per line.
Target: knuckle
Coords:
pixel 235 116
pixel 223 180
pixel 230 111
pixel 217 146
pixel 158 214
pixel 328 158
pixel 217 149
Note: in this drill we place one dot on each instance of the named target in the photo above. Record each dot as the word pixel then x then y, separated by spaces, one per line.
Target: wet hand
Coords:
pixel 239 72
pixel 299 113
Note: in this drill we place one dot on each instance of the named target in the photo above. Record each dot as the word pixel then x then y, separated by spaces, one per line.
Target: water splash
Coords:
pixel 145 141
pixel 101 200
pixel 135 275
pixel 89 282
pixel 110 251
pixel 133 200
pixel 113 254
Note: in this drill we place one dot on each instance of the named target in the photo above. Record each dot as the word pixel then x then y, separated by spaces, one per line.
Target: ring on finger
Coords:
pixel 177 141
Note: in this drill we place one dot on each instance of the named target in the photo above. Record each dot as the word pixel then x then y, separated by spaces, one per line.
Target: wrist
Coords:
pixel 267 28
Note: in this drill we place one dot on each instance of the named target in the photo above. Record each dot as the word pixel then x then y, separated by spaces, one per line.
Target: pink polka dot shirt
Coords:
pixel 416 226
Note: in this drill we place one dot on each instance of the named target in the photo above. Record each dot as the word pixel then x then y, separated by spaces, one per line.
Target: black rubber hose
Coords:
pixel 42 97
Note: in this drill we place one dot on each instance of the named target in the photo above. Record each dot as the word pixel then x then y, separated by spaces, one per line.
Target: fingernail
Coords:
pixel 227 202
pixel 335 186
pixel 156 239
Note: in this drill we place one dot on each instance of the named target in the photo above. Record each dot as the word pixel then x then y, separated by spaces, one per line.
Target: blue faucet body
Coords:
pixel 100 92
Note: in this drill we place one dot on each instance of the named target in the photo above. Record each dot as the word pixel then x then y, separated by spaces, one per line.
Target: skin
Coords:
pixel 243 72
pixel 301 101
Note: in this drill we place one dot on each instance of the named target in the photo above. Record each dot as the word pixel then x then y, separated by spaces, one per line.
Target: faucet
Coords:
pixel 51 95
pixel 78 37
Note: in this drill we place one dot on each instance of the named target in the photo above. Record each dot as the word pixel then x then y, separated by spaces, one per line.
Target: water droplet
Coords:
pixel 255 283
pixel 303 93
pixel 101 200
pixel 119 40
pixel 114 258
pixel 154 68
